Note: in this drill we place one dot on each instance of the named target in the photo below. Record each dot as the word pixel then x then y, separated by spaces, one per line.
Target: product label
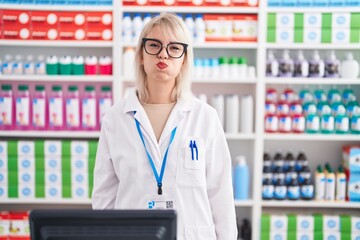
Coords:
pixel 88 112
pixel 327 123
pixel 342 124
pixel 22 111
pixel 72 113
pixel 298 124
pixel 5 111
pixel 38 107
pixel 355 123
pixel 56 112
pixel 105 104
pixel 268 191
pixel 285 124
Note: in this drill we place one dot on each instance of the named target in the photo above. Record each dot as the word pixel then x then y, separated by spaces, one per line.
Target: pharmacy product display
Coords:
pixel 14 225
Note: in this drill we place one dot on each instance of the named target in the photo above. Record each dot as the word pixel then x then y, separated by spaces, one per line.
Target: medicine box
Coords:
pixel 52 148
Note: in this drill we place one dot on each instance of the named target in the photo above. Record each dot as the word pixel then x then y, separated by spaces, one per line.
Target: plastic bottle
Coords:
pixel 105 65
pixel 215 69
pixel 72 108
pixel 18 65
pixel 39 108
pixel 56 108
pixel 137 26
pixel 280 189
pixel 245 230
pixel 52 65
pixel 267 167
pixel 247 114
pixel 91 65
pixel 105 101
pixel 278 164
pixel 332 66
pixel 312 123
pixel 78 65
pixel 301 66
pixel 355 121
pixel 22 108
pixel 341 121
pixel 286 65
pixel 289 160
pixel 301 161
pixel 189 22
pixel 327 123
pixel 147 18
pixel 199 28
pixel 316 66
pixel 267 189
pixel 7 65
pixel 320 95
pixel 224 68
pixel 127 28
pixel 29 66
pixel 65 65
pixel 272 65
pixel 233 66
pixel 303 173
pixel 290 173
pixel 293 188
pixel 40 65
pixel 128 63
pixel 330 185
pixel 307 188
pixel 320 181
pixel 340 185
pixel 7 108
pixel 88 109
pixel 348 95
pixel 242 68
pixel 241 178
pixel 349 67
pixel 232 113
pixel 284 123
pixel 298 123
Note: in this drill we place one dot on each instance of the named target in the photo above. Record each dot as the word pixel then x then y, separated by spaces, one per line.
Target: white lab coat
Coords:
pixel 201 190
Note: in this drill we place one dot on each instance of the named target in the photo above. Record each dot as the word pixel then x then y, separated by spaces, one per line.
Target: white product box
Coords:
pixel 53 192
pixel 52 163
pixel 26 163
pixel 79 192
pixel 278 223
pixel 284 35
pixel 26 177
pixel 53 178
pixel 79 148
pixel 355 225
pixel 341 20
pixel 353 187
pixel 332 235
pixel 285 20
pixel 4 225
pixel 312 20
pixel 331 223
pixel 278 235
pixel 312 35
pixel 26 148
pixel 79 178
pixel 355 236
pixel 26 191
pixel 340 35
pixel 3 148
pixel 3 191
pixel 3 163
pixel 79 164
pixel 301 235
pixel 52 147
pixel 305 223
pixel 3 178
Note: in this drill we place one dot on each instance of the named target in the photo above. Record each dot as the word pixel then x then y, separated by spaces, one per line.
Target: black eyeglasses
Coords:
pixel 174 49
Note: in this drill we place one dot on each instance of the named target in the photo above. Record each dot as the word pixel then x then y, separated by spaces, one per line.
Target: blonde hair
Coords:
pixel 173 25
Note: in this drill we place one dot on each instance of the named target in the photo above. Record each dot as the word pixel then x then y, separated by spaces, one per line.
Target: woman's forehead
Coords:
pixel 163 34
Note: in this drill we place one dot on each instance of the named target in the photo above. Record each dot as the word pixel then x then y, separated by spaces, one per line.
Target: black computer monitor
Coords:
pixel 85 224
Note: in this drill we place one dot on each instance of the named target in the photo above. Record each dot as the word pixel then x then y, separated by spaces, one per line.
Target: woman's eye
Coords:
pixel 174 48
pixel 154 45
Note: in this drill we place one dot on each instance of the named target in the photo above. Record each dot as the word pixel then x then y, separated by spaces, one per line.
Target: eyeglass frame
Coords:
pixel 144 40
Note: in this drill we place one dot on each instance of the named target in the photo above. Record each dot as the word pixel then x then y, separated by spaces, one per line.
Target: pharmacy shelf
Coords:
pixel 56 43
pixel 312 9
pixel 310 81
pixel 197 9
pixel 58 78
pixel 319 46
pixel 46 201
pixel 88 8
pixel 215 45
pixel 225 81
pixel 311 137
pixel 50 134
pixel 311 204
pixel 244 203
pixel 240 136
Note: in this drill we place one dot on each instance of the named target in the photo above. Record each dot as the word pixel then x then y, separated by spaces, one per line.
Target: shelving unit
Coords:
pixel 251 145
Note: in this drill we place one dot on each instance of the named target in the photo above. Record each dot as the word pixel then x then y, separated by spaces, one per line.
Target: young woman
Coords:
pixel 163 148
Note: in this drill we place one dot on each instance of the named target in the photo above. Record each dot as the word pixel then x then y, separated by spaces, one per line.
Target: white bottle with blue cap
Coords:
pixel 241 179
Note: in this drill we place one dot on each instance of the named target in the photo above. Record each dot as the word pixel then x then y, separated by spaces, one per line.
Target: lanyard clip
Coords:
pixel 159 189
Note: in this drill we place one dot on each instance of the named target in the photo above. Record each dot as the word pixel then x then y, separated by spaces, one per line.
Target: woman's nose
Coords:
pixel 163 53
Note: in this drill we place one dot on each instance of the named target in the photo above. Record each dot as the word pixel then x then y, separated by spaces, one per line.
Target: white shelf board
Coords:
pixel 312 9
pixel 197 9
pixel 58 78
pixel 56 43
pixel 46 201
pixel 325 46
pixel 225 81
pixel 51 134
pixel 310 204
pixel 240 136
pixel 311 137
pixel 244 203
pixel 90 8
pixel 316 81
pixel 215 45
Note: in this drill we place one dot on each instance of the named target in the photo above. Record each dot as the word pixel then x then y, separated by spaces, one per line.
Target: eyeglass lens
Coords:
pixel 175 50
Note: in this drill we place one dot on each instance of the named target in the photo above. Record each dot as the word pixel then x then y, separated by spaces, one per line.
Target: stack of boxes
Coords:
pixel 351 163
pixel 313 28
pixel 3 170
pixel 316 226
pixel 53 170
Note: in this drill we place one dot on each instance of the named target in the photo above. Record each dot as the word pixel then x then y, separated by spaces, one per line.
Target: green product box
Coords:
pixel 354 35
pixel 39 148
pixel 345 236
pixel 318 235
pixel 39 191
pixel 291 235
pixel 271 19
pixel 265 236
pixel 12 148
pixel 93 148
pixel 355 20
pixel 65 147
pixel 271 35
pixel 66 192
pixel 299 20
pixel 326 20
pixel 265 223
pixel 326 35
pixel 13 191
pixel 299 35
pixel 292 223
pixel 318 222
pixel 345 223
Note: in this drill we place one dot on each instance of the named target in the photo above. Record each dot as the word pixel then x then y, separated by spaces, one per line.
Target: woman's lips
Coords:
pixel 161 65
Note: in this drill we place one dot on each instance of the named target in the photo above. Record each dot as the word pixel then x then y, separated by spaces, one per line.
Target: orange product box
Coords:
pixel 72 33
pixel 218 27
pixel 135 2
pixel 44 18
pixel 245 3
pixel 98 19
pixel 71 19
pixel 185 2
pixel 222 3
pixel 103 34
pixel 16 32
pixel 44 33
pixel 15 17
pixel 19 225
pixel 4 224
pixel 245 28
pixel 160 2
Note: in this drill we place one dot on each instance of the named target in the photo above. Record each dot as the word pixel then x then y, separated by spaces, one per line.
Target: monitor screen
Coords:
pixel 76 224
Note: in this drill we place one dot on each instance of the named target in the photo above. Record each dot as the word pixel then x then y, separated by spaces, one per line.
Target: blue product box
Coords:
pixel 305 3
pixel 354 187
pixel 275 3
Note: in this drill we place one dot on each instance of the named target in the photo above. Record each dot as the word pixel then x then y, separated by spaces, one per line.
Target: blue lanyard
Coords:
pixel 157 177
